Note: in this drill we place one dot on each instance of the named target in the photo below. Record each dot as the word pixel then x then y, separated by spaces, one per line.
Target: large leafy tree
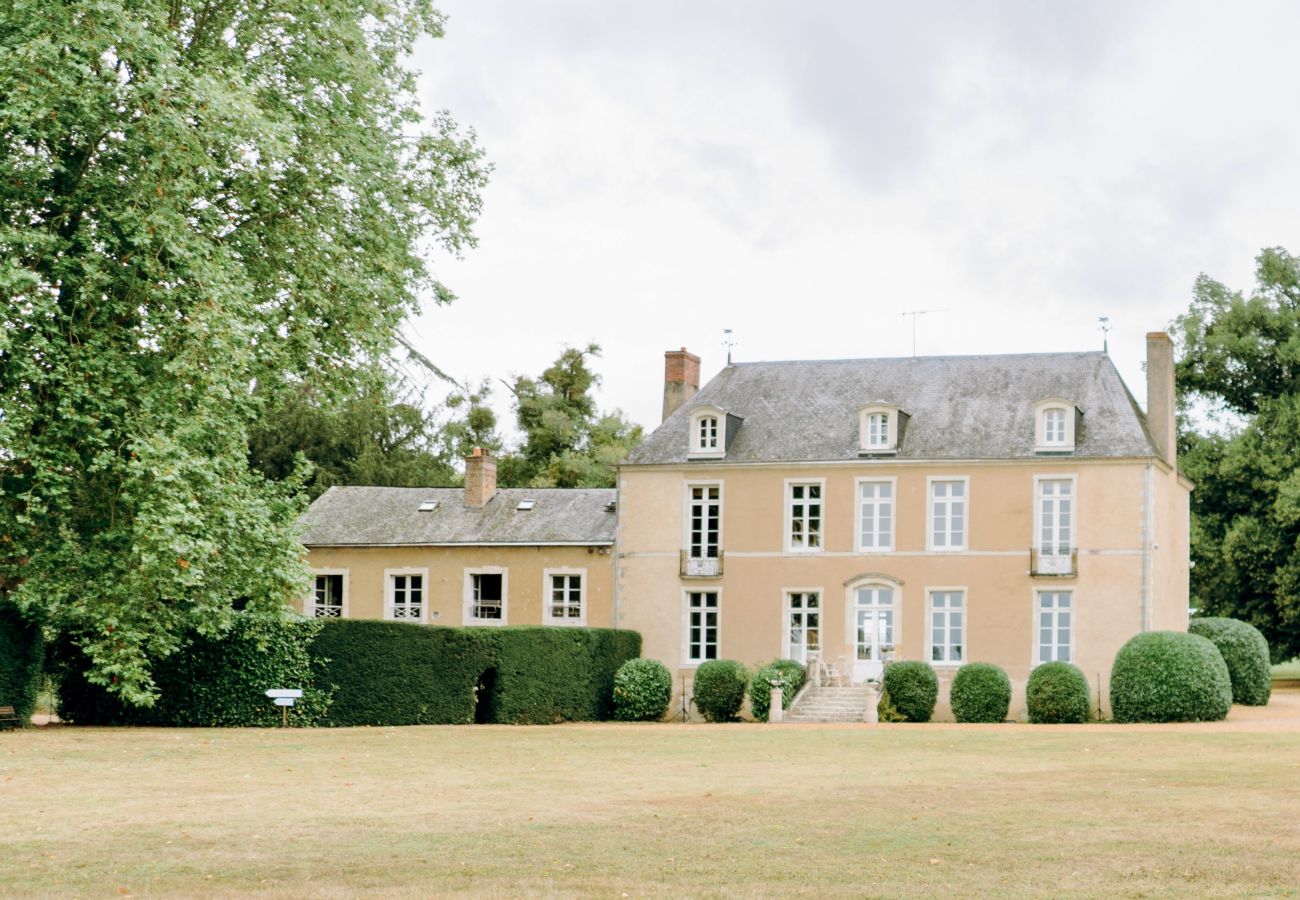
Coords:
pixel 567 441
pixel 1239 382
pixel 202 204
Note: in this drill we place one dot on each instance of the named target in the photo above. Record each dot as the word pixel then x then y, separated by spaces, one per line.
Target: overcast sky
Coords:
pixel 802 173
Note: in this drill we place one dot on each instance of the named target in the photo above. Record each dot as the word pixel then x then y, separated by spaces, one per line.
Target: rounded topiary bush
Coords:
pixel 791 675
pixel 981 692
pixel 912 688
pixel 1169 676
pixel 719 689
pixel 1058 694
pixel 1245 652
pixel 642 690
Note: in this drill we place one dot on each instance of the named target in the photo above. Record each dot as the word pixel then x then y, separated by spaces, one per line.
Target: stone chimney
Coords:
pixel 681 379
pixel 480 478
pixel 1160 396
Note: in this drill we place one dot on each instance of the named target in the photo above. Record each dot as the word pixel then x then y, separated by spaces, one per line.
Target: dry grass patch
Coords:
pixel 653 809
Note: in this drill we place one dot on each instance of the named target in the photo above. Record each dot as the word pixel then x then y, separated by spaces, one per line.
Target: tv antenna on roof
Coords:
pixel 916 314
pixel 728 342
pixel 1103 322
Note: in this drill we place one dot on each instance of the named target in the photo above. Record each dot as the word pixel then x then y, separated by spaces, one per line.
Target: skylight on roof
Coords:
pixel 428 505
pixel 525 505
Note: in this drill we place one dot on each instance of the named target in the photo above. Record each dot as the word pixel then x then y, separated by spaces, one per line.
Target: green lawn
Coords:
pixel 1287 671
pixel 654 809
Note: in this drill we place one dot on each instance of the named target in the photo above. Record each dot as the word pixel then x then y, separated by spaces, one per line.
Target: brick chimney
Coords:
pixel 1160 396
pixel 681 379
pixel 480 478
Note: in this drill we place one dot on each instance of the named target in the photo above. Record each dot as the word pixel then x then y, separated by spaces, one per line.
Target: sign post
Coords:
pixel 284 698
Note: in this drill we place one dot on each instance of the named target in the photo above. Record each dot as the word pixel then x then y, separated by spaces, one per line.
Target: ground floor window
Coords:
pixel 947 626
pixel 406 597
pixel 487 597
pixel 327 598
pixel 803 625
pixel 702 625
pixel 1055 614
pixel 565 598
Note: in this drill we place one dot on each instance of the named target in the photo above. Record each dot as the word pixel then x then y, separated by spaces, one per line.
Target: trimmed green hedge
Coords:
pixel 981 692
pixel 643 688
pixel 399 673
pixel 210 682
pixel 21 658
pixel 719 689
pixel 792 675
pixel 1057 693
pixel 1245 651
pixel 1169 676
pixel 913 688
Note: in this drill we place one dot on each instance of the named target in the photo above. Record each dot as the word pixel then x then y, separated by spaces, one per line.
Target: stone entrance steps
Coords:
pixel 830 704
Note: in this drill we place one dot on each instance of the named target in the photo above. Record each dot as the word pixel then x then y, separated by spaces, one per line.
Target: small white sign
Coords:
pixel 285 693
pixel 284 701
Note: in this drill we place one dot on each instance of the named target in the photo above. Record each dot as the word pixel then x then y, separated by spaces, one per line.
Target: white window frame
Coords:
pixel 788 521
pixel 875 580
pixel 1041 408
pixel 930 481
pixel 688 662
pixel 947 662
pixel 864 427
pixel 389 594
pixel 1035 647
pixel 686 513
pixel 467 609
pixel 548 618
pixel 1071 477
pixel 695 450
pixel 787 609
pixel 309 605
pixel 857 514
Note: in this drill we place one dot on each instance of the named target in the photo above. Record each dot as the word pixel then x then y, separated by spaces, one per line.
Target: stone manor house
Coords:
pixel 1009 509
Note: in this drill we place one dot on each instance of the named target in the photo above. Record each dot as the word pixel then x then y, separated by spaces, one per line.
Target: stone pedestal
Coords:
pixel 872 713
pixel 776 712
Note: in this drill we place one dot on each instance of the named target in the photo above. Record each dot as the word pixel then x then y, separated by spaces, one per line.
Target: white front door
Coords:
pixel 874 628
pixel 803 625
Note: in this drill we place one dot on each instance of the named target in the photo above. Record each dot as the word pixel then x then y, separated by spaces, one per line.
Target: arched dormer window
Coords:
pixel 708 435
pixel 880 427
pixel 1054 425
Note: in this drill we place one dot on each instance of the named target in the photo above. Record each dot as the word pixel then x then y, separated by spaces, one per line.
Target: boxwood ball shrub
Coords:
pixel 643 689
pixel 790 673
pixel 1169 676
pixel 1245 651
pixel 1058 694
pixel 912 688
pixel 719 689
pixel 21 654
pixel 981 692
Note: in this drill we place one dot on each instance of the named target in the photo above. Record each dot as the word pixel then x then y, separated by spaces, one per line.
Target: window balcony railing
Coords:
pixel 701 567
pixel 1059 562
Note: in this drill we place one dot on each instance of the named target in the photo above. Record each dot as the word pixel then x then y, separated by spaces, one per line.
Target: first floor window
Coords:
pixel 328 596
pixel 803 625
pixel 705 520
pixel 702 626
pixel 946 626
pixel 1055 516
pixel 805 516
pixel 948 515
pixel 566 598
pixel 486 596
pixel 408 597
pixel 876 512
pixel 1055 612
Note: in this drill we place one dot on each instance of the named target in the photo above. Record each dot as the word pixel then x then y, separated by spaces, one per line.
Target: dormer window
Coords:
pixel 708 433
pixel 1054 425
pixel 880 427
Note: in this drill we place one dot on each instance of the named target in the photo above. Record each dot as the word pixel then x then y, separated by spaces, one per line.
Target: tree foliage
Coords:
pixel 196 199
pixel 1239 362
pixel 567 441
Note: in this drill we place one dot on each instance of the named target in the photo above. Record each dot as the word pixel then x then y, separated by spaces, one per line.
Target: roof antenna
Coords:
pixel 916 314
pixel 1103 322
pixel 728 343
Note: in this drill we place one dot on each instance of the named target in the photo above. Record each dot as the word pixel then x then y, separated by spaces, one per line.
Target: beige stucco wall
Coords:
pixel 1108 589
pixel 524 568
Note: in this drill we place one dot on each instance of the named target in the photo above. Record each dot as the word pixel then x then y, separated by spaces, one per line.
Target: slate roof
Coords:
pixel 388 516
pixel 962 407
